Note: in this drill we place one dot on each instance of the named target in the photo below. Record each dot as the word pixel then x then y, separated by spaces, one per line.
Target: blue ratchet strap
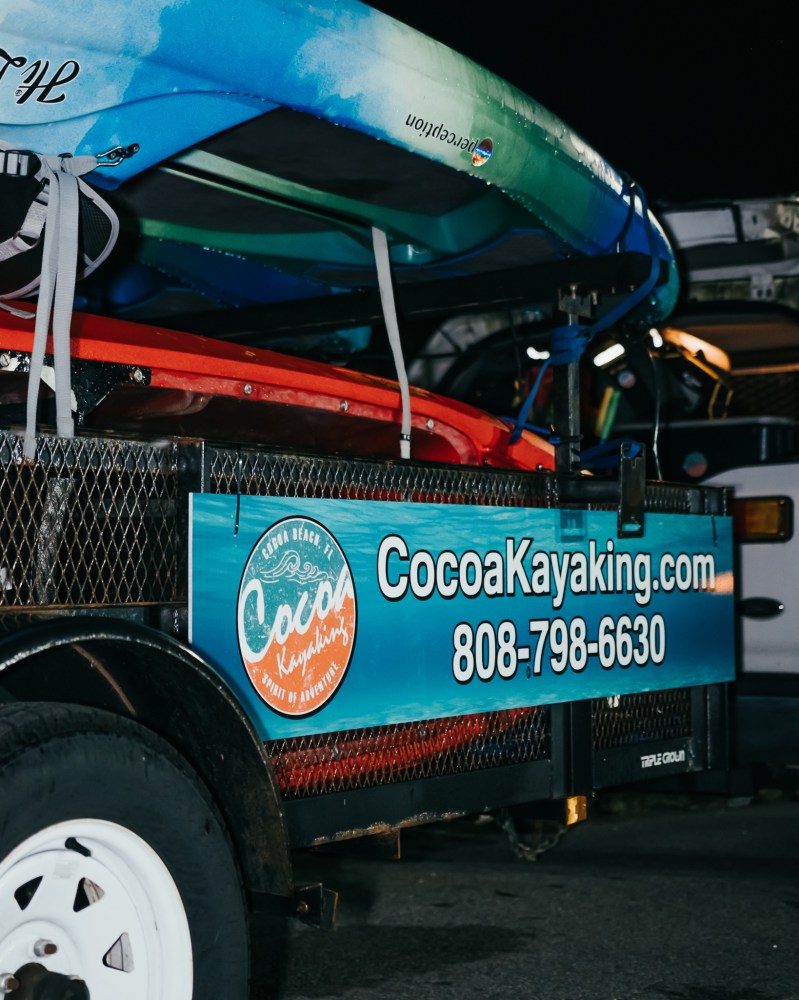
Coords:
pixel 520 422
pixel 617 243
pixel 569 342
pixel 639 294
pixel 605 455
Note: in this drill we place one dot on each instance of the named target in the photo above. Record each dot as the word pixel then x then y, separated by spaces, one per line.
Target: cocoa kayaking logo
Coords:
pixel 36 78
pixel 296 616
pixel 481 149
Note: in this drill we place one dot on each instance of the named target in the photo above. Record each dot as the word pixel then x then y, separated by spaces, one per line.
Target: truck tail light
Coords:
pixel 762 519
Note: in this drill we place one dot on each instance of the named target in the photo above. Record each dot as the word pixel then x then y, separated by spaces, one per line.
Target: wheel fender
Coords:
pixel 163 684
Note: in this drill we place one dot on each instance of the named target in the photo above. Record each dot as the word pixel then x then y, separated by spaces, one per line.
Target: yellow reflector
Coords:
pixel 576 809
pixel 762 519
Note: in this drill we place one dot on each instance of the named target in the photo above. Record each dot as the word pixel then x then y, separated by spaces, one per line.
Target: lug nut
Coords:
pixel 8 983
pixel 43 948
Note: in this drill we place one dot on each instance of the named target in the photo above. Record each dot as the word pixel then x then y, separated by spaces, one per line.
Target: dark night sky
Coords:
pixel 696 101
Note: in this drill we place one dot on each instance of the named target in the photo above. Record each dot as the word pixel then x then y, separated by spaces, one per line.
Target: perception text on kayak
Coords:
pixel 522 569
pixel 436 130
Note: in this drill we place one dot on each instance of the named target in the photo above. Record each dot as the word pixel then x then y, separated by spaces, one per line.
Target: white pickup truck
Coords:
pixel 740 263
pixel 766 724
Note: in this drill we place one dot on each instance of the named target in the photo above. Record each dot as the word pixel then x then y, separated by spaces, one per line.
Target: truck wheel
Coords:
pixel 117 877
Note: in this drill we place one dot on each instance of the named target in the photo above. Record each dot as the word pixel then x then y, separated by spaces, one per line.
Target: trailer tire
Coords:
pixel 115 865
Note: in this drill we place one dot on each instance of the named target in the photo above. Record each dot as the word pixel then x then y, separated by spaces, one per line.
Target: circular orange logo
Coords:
pixel 296 616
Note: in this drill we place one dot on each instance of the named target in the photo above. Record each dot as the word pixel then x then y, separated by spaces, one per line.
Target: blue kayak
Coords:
pixel 280 133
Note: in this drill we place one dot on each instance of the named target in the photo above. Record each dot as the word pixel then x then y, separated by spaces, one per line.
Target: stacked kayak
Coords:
pixel 281 132
pixel 250 152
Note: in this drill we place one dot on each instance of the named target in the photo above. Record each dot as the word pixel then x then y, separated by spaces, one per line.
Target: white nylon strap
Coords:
pixel 383 263
pixel 13 245
pixel 31 229
pixel 56 291
pixel 15 162
pixel 21 313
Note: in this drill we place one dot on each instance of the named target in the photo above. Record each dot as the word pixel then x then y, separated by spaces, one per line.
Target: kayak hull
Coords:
pixel 214 97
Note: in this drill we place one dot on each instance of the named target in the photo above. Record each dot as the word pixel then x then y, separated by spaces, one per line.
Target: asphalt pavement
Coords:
pixel 665 896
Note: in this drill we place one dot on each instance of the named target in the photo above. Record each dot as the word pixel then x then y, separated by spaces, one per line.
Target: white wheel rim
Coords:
pixel 109 905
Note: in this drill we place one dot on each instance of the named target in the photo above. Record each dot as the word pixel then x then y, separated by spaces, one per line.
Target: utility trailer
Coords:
pixel 252 602
pixel 446 639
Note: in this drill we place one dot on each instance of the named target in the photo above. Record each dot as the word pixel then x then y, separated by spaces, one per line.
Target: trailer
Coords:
pixel 252 601
pixel 448 639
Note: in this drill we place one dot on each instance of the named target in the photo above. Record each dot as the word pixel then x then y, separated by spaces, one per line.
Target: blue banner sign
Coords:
pixel 329 614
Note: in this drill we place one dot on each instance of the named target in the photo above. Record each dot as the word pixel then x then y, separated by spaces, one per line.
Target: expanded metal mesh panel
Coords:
pixel 89 522
pixel 670 500
pixel 624 720
pixel 93 521
pixel 770 394
pixel 252 473
pixel 362 758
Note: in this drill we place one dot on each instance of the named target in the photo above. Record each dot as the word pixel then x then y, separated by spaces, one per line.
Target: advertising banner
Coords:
pixel 327 614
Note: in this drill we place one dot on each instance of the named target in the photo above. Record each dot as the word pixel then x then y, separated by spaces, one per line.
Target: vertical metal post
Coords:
pixel 566 401
pixel 566 387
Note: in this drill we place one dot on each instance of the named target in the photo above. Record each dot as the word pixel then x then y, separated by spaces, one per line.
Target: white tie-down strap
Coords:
pixel 21 313
pixel 60 198
pixel 18 163
pixel 380 243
